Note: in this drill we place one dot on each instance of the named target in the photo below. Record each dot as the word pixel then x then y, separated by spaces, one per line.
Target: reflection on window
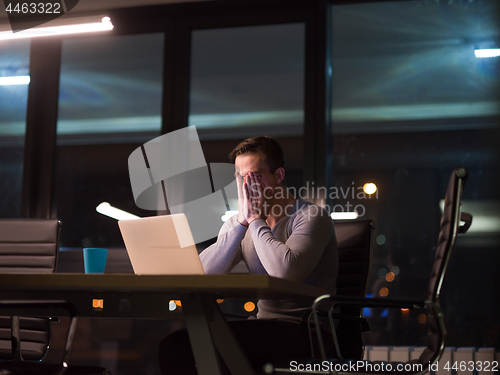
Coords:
pixel 414 60
pixel 247 79
pixel 14 62
pixel 110 88
pixel 411 102
pixel 109 104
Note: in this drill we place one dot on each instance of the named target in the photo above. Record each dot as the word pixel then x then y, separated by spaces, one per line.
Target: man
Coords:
pixel 274 233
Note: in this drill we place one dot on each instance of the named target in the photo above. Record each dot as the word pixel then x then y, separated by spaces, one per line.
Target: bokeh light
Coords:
pixel 369 188
pixel 382 272
pixel 249 306
pixel 384 292
pixel 380 239
pixel 422 318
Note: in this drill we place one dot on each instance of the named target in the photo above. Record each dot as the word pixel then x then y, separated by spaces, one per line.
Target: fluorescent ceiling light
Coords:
pixel 487 52
pixel 344 215
pixel 104 25
pixel 334 215
pixel 106 209
pixel 14 80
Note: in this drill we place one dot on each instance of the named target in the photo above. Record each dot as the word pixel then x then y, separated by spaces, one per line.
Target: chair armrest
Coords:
pixel 363 322
pixel 361 302
pixel 36 309
pixel 376 302
pixel 467 219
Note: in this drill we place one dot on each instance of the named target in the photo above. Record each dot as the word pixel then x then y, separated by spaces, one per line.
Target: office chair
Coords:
pixel 355 247
pixel 449 229
pixel 31 246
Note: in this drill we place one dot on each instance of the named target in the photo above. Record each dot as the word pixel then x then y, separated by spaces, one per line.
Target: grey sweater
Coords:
pixel 301 247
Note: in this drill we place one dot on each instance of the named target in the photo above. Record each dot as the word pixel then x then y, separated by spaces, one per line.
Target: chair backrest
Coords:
pixel 450 227
pixel 28 246
pixel 355 242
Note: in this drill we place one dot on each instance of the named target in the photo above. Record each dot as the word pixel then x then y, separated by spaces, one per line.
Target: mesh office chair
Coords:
pixel 31 246
pixel 449 229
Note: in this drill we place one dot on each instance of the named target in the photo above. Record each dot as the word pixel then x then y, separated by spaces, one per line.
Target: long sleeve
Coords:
pixel 223 255
pixel 296 258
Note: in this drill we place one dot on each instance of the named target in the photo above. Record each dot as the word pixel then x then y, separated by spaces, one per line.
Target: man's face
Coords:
pixel 254 163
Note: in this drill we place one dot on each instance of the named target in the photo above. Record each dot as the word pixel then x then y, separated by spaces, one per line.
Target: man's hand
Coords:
pixel 251 202
pixel 254 203
pixel 241 200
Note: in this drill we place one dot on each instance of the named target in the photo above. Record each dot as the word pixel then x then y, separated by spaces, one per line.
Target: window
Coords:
pixel 410 103
pixel 109 104
pixel 247 79
pixel 111 89
pixel 14 62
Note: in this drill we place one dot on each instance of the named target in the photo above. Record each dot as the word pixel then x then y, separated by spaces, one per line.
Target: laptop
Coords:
pixel 161 245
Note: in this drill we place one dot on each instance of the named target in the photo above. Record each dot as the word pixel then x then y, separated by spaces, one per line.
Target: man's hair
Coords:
pixel 268 146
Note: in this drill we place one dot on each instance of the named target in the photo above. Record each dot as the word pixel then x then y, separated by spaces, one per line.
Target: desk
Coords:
pixel 148 296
